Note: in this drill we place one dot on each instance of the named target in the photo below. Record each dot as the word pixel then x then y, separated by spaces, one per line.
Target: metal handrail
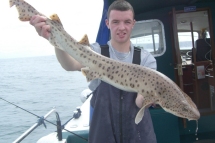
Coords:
pixel 26 133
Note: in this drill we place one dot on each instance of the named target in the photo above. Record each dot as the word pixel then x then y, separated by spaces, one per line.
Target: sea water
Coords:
pixel 36 84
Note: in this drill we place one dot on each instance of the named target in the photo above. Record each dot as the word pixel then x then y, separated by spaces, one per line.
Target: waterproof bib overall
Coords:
pixel 113 117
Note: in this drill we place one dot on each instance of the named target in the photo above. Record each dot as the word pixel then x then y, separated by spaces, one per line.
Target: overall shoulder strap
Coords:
pixel 105 50
pixel 136 56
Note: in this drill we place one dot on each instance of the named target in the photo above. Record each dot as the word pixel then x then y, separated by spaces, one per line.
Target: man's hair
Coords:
pixel 120 5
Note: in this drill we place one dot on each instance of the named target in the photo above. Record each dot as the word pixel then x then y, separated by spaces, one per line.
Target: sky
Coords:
pixel 20 39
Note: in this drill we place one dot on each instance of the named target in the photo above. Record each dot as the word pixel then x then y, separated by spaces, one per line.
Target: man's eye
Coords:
pixel 128 22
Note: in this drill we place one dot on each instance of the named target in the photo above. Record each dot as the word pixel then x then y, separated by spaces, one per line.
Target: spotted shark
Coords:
pixel 155 87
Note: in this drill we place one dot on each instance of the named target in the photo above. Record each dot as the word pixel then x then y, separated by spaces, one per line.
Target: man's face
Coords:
pixel 120 24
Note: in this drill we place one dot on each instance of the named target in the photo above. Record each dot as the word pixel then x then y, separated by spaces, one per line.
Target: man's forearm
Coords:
pixel 66 61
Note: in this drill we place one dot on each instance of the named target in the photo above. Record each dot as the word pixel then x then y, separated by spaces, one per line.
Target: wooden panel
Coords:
pixel 188 81
pixel 202 89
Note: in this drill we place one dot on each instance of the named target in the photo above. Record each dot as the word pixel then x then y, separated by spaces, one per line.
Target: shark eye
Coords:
pixel 185 109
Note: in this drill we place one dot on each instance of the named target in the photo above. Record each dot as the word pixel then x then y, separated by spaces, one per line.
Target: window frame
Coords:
pixel 162 33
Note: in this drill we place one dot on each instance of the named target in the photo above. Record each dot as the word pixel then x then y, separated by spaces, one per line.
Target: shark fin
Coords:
pixel 139 115
pixel 85 70
pixel 84 40
pixel 148 101
pixel 90 75
pixel 55 17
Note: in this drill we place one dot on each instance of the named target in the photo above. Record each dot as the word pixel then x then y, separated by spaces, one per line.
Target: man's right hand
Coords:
pixel 39 22
pixel 66 61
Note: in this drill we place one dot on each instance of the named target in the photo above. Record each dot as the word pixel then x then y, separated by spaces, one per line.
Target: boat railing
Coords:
pixel 39 122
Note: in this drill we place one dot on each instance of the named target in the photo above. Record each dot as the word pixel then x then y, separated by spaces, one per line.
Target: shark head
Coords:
pixel 179 105
pixel 189 112
pixel 184 108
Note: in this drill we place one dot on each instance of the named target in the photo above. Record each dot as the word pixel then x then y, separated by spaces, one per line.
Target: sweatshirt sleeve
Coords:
pixel 148 60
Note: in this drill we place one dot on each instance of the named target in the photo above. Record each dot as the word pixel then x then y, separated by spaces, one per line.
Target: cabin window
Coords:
pixel 185 40
pixel 149 35
pixel 207 34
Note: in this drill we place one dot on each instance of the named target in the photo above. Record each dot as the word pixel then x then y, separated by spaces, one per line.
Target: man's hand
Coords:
pixel 39 22
pixel 139 101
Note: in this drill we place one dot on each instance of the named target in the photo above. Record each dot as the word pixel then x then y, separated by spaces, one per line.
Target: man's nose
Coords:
pixel 121 26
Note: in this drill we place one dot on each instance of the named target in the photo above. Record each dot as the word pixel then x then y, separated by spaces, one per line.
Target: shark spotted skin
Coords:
pixel 154 86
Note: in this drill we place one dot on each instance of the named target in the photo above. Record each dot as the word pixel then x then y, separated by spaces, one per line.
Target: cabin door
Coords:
pixel 194 56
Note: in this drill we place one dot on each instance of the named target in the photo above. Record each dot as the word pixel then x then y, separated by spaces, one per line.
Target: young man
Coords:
pixel 114 109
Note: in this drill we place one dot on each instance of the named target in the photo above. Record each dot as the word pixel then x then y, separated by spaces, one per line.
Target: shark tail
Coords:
pixel 25 10
pixel 12 2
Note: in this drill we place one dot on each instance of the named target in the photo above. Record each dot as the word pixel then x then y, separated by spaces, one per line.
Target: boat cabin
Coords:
pixel 180 35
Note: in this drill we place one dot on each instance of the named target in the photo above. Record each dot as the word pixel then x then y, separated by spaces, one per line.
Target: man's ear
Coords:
pixel 107 23
pixel 134 22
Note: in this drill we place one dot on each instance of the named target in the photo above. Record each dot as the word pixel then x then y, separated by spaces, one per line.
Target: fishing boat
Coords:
pixel 180 35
